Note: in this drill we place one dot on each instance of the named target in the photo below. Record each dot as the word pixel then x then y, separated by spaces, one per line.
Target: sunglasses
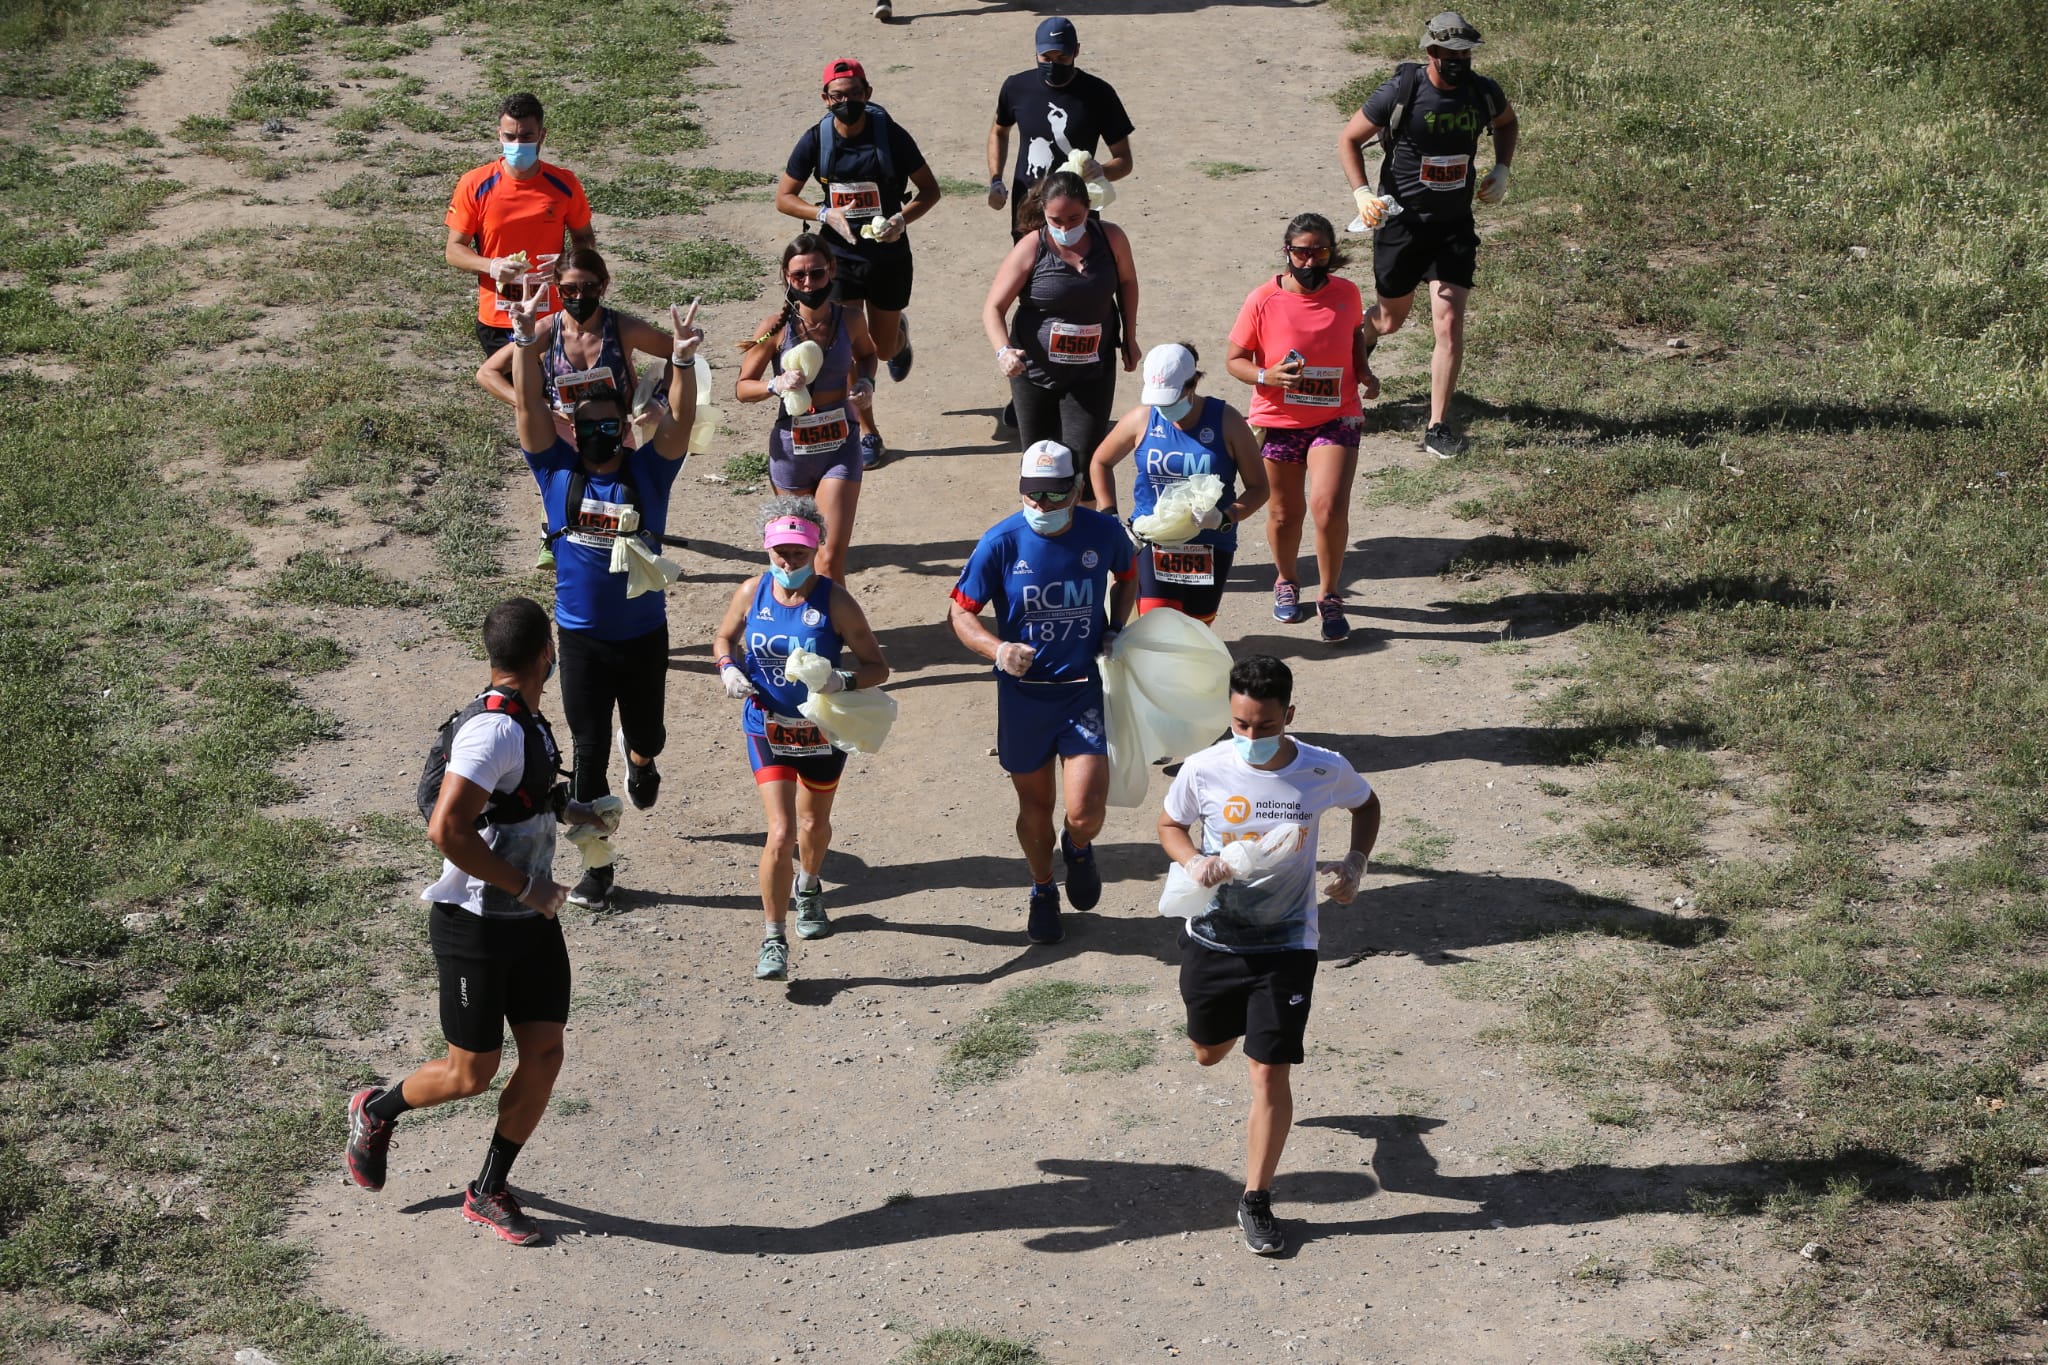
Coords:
pixel 1049 499
pixel 579 291
pixel 1314 255
pixel 809 274
pixel 597 426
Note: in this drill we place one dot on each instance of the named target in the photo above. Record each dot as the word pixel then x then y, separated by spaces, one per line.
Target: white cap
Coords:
pixel 1048 467
pixel 1168 369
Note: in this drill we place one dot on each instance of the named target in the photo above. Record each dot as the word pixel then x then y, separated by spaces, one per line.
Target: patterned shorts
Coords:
pixel 1290 445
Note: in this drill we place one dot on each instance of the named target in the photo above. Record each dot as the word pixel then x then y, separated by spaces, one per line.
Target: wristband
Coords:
pixel 1262 376
pixel 725 661
pixel 846 682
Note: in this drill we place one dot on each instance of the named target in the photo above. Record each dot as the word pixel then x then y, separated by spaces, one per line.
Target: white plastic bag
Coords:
pixel 705 424
pixel 594 841
pixel 1176 515
pixel 806 358
pixel 1252 862
pixel 1183 897
pixel 1101 194
pixel 645 571
pixel 1393 211
pixel 1166 688
pixel 857 722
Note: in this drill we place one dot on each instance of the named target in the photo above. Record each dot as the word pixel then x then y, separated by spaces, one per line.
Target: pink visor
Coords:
pixel 789 531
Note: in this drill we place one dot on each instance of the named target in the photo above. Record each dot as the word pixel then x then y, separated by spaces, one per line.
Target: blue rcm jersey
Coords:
pixel 1166 455
pixel 1049 592
pixel 773 630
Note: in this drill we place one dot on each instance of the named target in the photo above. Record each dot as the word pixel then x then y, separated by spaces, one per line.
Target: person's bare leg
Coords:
pixel 813 829
pixel 457 1076
pixel 838 500
pixel 1447 318
pixel 1272 1114
pixel 1284 516
pixel 1330 473
pixel 532 1081
pixel 1086 782
pixel 1034 819
pixel 778 850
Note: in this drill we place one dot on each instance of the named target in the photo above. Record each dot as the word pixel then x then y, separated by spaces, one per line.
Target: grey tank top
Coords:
pixel 1066 321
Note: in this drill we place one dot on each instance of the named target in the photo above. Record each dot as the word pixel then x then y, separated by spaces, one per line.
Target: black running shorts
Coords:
pixel 1406 254
pixel 496 972
pixel 1263 998
pixel 883 282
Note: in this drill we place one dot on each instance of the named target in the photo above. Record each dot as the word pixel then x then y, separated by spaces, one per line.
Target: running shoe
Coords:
pixel 501 1213
pixel 1042 924
pixel 873 454
pixel 1261 1228
pixel 810 914
pixel 643 780
pixel 1084 882
pixel 1444 443
pixel 883 11
pixel 774 962
pixel 593 890
pixel 1286 602
pixel 899 364
pixel 369 1139
pixel 1336 630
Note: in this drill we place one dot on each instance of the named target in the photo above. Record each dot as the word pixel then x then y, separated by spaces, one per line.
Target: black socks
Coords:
pixel 388 1103
pixel 497 1164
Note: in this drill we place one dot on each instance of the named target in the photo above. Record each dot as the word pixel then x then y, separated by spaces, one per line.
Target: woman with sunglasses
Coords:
pixel 816 452
pixel 796 769
pixel 1075 288
pixel 1300 342
pixel 613 648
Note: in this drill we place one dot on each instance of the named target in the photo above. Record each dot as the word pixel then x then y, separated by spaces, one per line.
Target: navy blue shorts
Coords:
pixel 1036 721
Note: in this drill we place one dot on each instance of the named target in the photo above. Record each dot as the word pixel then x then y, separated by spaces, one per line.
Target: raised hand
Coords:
pixel 688 336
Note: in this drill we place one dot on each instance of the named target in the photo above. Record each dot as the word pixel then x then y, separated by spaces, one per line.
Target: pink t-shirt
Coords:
pixel 1321 325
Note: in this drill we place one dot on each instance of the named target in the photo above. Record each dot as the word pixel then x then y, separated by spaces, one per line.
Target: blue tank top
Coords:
pixel 837 371
pixel 772 630
pixel 611 355
pixel 1166 455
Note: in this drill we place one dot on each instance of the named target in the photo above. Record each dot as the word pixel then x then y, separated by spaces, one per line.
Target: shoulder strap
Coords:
pixel 1410 76
pixel 579 483
pixel 828 143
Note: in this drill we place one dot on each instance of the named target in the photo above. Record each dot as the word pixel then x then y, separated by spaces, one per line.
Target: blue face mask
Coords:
pixel 789 580
pixel 1173 412
pixel 1066 236
pixel 520 156
pixel 1048 523
pixel 1256 751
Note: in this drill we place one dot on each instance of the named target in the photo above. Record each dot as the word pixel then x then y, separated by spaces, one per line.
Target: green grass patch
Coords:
pixel 60 213
pixel 77 88
pixel 1225 170
pixel 745 473
pixel 719 272
pixel 964 1346
pixel 1001 1036
pixel 29 24
pixel 986 1051
pixel 1121 1053
pixel 313 579
pixel 279 88
pixel 385 12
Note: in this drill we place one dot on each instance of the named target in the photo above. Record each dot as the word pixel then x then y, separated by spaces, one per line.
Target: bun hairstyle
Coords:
pixel 1058 185
pixel 1314 222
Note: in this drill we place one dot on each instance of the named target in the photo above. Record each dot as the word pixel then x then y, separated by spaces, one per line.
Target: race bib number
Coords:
pixel 571 389
pixel 817 433
pixel 857 198
pixel 796 738
pixel 1318 387
pixel 1192 566
pixel 596 523
pixel 1445 172
pixel 1074 343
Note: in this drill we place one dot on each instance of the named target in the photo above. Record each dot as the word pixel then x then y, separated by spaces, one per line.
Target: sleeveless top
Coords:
pixel 1066 322
pixel 1167 455
pixel 611 355
pixel 771 631
pixel 837 372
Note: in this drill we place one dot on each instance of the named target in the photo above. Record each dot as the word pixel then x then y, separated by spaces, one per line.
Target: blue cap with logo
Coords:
pixel 1057 35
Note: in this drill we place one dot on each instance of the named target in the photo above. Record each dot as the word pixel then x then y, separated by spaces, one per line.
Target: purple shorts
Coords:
pixel 835 456
pixel 1290 445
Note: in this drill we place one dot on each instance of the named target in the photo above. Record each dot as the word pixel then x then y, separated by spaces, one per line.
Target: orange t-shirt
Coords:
pixel 505 216
pixel 1321 326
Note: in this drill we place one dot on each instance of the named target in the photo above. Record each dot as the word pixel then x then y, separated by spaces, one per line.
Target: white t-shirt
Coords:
pixel 1232 800
pixel 490 750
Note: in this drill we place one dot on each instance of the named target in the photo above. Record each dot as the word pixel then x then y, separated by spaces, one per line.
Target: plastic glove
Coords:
pixel 835 681
pixel 644 416
pixel 645 571
pixel 505 269
pixel 1015 659
pixel 836 220
pixel 1373 210
pixel 802 360
pixel 1108 645
pixel 1494 188
pixel 884 229
pixel 1207 870
pixel 736 685
pixel 1344 877
pixel 544 894
pixel 604 813
pixel 1101 194
pixel 688 336
pixel 998 193
pixel 524 315
pixel 862 392
pixel 1212 519
pixel 1010 362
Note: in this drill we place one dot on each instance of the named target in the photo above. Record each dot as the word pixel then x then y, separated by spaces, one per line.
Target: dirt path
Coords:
pixel 723 1182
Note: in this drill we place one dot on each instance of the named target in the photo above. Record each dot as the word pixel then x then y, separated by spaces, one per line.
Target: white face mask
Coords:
pixel 1067 236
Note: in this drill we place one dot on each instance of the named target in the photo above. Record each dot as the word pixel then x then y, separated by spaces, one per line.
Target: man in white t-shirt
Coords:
pixel 1248 958
pixel 497 943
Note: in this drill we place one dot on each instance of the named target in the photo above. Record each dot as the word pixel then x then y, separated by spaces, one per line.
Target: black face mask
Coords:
pixel 850 112
pixel 1454 70
pixel 1310 277
pixel 1058 75
pixel 583 307
pixel 597 439
pixel 810 298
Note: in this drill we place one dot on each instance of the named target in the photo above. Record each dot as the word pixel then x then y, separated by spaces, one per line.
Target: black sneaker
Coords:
pixel 594 890
pixel 500 1213
pixel 900 363
pixel 1261 1228
pixel 1444 443
pixel 643 780
pixel 1336 630
pixel 1084 883
pixel 1043 922
pixel 369 1139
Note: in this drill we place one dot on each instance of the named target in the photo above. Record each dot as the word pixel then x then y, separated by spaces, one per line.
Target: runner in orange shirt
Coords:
pixel 515 204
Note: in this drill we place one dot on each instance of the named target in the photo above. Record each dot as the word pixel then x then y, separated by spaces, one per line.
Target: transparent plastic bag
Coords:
pixel 1176 515
pixel 1252 862
pixel 1183 897
pixel 1101 194
pixel 1166 688
pixel 594 842
pixel 855 721
pixel 806 358
pixel 645 571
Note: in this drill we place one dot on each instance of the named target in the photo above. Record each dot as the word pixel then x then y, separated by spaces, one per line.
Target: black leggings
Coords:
pixel 598 675
pixel 1078 417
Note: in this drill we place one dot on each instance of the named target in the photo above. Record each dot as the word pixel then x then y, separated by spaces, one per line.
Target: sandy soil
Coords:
pixel 727 1189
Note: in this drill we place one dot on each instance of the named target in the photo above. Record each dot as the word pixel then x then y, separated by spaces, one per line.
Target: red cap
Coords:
pixel 840 68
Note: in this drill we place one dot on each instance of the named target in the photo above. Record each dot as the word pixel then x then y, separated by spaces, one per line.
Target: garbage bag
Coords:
pixel 1101 194
pixel 594 841
pixel 806 358
pixel 705 425
pixel 1176 515
pixel 855 721
pixel 1166 688
pixel 645 571
pixel 1251 862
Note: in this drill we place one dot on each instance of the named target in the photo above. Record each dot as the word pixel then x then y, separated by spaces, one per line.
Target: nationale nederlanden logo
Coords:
pixel 1237 810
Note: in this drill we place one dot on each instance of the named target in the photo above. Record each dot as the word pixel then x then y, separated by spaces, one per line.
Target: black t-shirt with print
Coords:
pixel 1430 169
pixel 863 190
pixel 1082 115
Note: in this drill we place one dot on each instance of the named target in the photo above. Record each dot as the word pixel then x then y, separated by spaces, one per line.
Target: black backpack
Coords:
pixel 1410 74
pixel 828 146
pixel 572 503
pixel 538 789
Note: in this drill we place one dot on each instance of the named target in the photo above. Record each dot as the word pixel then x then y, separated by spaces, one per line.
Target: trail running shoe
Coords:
pixel 500 1213
pixel 899 364
pixel 873 453
pixel 593 890
pixel 1084 882
pixel 810 914
pixel 774 961
pixel 1042 922
pixel 643 780
pixel 369 1139
pixel 1261 1228
pixel 1444 443
pixel 1336 629
pixel 1286 602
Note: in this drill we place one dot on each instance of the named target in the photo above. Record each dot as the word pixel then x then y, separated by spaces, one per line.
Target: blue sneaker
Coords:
pixel 899 364
pixel 872 452
pixel 1286 602
pixel 1084 883
pixel 1336 630
pixel 1043 923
